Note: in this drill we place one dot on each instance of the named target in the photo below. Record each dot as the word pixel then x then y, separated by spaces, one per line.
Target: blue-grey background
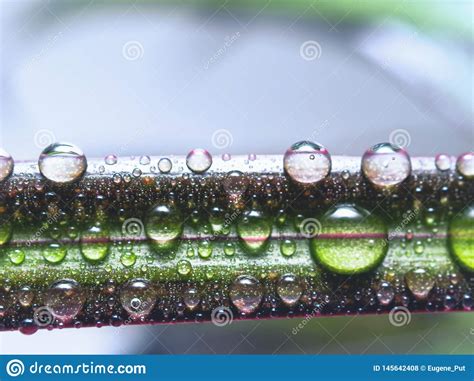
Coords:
pixel 151 77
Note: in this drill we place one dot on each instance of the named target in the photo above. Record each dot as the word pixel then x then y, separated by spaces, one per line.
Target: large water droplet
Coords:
pixel 351 240
pixel 246 293
pixel 6 165
pixel 165 165
pixel 17 256
pixel 254 229
pixel 461 237
pixel 199 160
pixel 465 165
pixel 95 243
pixel 289 289
pixel 54 252
pixel 62 162
pixel 163 226
pixel 184 267
pixel 307 162
pixel 65 299
pixel 138 297
pixel 443 162
pixel 420 282
pixel 386 165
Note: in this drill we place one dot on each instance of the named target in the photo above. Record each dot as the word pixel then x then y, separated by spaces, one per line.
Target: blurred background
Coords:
pixel 238 77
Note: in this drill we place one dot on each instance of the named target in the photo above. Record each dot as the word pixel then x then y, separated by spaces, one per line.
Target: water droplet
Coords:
pixel 226 157
pixel 288 247
pixel 352 240
pixel 16 256
pixel 137 172
pixel 163 226
pixel 204 249
pixel 229 249
pixel 95 243
pixel 165 165
pixel 443 162
pixel 289 289
pixel 110 159
pixel 461 237
pixel 62 162
pixel 252 157
pixel 419 247
pixel 144 160
pixel 307 162
pixel 465 165
pixel 6 165
pixel 420 282
pixel 254 229
pixel 128 258
pixel 191 298
pixel 54 252
pixel 65 299
pixel 246 293
pixel 199 160
pixel 386 165
pixel 449 302
pixel 26 296
pixel 138 297
pixel 184 267
pixel 385 293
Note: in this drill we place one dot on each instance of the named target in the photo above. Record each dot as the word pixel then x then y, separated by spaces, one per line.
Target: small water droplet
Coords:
pixel 191 298
pixel 62 162
pixel 128 258
pixel 465 165
pixel 199 160
pixel 54 252
pixel 16 256
pixel 289 289
pixel 420 282
pixel 385 293
pixel 144 160
pixel 95 243
pixel 184 267
pixel 163 226
pixel 165 165
pixel 419 247
pixel 110 159
pixel 229 249
pixel 443 162
pixel 254 229
pixel 288 247
pixel 6 165
pixel 246 293
pixel 307 162
pixel 26 296
pixel 386 165
pixel 226 157
pixel 138 297
pixel 205 249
